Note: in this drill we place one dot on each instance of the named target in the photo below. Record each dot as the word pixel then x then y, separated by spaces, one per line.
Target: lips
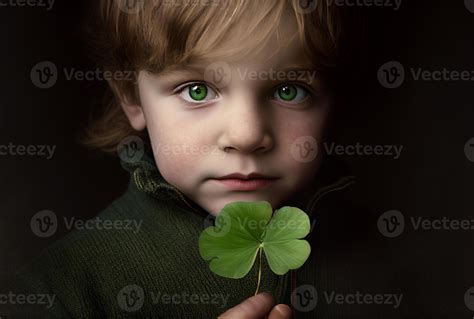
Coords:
pixel 245 182
pixel 246 177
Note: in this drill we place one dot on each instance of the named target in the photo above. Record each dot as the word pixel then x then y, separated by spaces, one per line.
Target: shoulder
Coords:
pixel 88 267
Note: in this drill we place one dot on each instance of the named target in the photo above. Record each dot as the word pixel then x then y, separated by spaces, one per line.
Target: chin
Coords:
pixel 215 207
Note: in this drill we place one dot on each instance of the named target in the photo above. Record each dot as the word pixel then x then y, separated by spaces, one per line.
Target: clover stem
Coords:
pixel 259 269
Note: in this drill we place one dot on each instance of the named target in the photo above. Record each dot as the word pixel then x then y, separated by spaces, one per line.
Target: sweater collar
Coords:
pixel 148 179
pixel 145 175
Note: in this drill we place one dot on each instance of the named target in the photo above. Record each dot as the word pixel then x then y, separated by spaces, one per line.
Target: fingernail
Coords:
pixel 283 311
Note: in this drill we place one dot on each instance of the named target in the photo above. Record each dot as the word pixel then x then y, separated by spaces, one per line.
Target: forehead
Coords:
pixel 278 46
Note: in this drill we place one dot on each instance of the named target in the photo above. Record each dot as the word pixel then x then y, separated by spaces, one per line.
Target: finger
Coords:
pixel 256 307
pixel 280 311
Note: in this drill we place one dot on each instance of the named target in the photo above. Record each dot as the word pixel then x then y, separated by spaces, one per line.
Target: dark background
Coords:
pixel 431 119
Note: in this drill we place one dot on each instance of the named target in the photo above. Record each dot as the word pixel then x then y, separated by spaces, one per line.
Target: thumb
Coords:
pixel 256 307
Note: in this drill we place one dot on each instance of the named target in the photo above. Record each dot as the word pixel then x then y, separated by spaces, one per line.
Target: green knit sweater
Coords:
pixel 155 272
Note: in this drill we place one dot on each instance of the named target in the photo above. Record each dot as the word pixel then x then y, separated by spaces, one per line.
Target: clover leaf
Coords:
pixel 244 229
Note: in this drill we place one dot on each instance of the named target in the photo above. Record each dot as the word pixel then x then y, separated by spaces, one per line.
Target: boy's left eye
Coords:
pixel 291 93
pixel 198 93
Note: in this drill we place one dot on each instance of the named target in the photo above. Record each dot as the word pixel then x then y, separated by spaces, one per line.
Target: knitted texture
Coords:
pixel 155 270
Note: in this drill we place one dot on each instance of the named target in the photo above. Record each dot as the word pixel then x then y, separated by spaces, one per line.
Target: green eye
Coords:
pixel 197 93
pixel 291 93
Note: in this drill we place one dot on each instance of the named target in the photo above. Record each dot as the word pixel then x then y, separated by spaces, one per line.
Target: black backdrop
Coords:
pixel 433 120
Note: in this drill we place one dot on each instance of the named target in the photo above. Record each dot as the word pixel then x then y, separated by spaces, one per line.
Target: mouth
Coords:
pixel 243 182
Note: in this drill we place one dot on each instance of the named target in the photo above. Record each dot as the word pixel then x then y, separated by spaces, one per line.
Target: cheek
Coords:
pixel 174 167
pixel 311 125
pixel 176 154
pixel 305 125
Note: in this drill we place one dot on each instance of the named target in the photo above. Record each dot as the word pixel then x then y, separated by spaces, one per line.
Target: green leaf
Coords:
pixel 243 229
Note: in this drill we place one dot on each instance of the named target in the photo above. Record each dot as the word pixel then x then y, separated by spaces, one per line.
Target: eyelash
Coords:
pixel 181 88
pixel 311 94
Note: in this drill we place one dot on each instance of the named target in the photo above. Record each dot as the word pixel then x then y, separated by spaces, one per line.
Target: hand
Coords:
pixel 258 307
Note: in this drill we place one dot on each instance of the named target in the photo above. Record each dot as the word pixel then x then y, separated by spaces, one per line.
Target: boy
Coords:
pixel 229 99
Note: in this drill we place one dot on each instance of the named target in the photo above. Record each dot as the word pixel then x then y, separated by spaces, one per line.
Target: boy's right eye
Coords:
pixel 197 93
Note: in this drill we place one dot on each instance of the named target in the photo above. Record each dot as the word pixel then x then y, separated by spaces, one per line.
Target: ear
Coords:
pixel 130 105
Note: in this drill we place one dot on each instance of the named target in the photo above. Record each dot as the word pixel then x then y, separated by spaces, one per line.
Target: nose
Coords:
pixel 246 127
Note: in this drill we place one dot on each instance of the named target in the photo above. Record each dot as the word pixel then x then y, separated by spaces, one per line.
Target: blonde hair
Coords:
pixel 162 33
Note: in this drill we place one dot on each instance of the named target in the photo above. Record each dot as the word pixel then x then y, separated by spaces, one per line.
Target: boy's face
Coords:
pixel 254 120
